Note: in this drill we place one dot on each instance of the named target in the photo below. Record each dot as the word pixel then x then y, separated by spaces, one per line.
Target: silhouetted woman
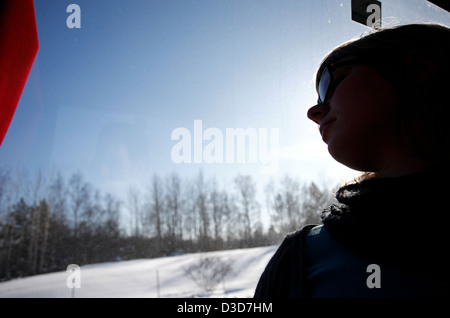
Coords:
pixel 383 109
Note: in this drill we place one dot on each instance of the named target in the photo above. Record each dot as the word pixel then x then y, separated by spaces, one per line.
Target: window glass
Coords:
pixel 128 96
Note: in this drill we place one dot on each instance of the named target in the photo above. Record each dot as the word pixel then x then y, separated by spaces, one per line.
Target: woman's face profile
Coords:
pixel 359 120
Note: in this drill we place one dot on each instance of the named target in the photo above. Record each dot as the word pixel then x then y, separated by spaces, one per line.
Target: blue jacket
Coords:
pixel 311 264
pixel 332 270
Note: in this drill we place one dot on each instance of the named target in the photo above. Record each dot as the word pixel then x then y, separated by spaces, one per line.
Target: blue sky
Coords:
pixel 105 98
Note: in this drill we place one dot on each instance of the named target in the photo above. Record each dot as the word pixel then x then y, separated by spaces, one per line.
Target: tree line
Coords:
pixel 48 222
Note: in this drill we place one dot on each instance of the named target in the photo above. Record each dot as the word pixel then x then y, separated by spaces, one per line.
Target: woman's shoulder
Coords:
pixel 307 230
pixel 283 275
pixel 318 236
pixel 292 245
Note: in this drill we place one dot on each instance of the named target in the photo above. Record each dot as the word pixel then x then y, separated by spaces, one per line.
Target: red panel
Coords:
pixel 18 48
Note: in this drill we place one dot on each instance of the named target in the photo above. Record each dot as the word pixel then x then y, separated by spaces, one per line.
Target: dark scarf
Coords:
pixel 397 221
pixel 401 222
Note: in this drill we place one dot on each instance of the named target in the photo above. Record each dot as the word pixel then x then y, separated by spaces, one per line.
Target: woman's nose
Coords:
pixel 317 112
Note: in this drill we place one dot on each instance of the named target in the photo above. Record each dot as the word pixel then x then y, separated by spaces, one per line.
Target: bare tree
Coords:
pixel 111 209
pixel 108 229
pixel 135 210
pixel 37 188
pixel 201 205
pixel 7 224
pixel 292 201
pixel 57 200
pixel 190 218
pixel 315 201
pixel 44 210
pixel 5 179
pixel 78 194
pixel 293 205
pixel 209 271
pixel 231 217
pixel 156 206
pixel 217 211
pixel 248 206
pixel 174 206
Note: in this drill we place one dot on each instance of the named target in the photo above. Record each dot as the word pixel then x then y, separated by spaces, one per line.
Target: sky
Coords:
pixel 143 85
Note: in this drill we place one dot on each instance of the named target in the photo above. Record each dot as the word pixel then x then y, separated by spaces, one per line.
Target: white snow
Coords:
pixel 139 278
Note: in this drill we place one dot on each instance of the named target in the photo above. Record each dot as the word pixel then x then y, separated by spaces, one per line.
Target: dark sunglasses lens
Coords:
pixel 323 85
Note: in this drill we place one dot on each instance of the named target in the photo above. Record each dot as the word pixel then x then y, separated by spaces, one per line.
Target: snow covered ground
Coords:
pixel 141 278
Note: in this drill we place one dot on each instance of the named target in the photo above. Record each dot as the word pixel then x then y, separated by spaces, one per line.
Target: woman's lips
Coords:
pixel 323 126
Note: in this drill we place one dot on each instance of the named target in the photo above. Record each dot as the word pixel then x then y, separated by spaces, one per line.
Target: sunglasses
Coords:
pixel 326 78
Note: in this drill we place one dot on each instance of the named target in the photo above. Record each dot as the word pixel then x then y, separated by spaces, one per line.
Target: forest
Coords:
pixel 48 222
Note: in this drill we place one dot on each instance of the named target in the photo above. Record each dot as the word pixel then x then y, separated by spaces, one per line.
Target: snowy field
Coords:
pixel 151 278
